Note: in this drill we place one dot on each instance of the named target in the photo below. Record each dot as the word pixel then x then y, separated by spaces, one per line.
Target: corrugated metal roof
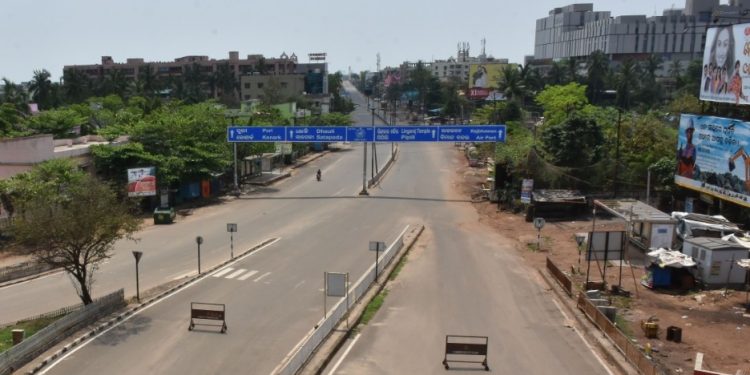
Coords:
pixel 715 243
pixel 634 210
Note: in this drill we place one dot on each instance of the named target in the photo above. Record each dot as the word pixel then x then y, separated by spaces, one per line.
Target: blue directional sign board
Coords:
pixel 256 134
pixel 357 133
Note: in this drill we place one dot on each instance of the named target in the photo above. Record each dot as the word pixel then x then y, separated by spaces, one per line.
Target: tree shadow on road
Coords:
pixel 122 332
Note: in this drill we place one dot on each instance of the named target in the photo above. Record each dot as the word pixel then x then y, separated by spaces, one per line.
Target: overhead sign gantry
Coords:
pixel 406 133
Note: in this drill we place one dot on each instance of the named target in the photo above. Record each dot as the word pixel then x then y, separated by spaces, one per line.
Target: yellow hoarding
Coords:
pixel 485 75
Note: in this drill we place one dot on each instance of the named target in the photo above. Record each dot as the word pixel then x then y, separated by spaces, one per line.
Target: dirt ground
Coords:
pixel 712 322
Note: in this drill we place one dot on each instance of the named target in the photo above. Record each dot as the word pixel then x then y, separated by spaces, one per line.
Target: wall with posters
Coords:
pixel 713 157
pixel 726 65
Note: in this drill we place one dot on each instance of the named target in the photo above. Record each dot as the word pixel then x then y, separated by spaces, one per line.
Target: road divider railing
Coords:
pixel 22 270
pixel 561 278
pixel 633 354
pixel 19 355
pixel 302 352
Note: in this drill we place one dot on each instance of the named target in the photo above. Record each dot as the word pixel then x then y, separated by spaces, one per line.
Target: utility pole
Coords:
pixel 617 155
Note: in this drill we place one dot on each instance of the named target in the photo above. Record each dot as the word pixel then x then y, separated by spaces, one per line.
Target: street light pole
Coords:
pixel 137 255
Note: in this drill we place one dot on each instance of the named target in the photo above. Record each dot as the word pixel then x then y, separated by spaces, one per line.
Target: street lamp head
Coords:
pixel 199 240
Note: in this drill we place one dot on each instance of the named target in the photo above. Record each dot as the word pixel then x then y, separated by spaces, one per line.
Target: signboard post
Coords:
pixel 336 284
pixel 231 228
pixel 142 182
pixel 199 241
pixel 538 224
pixel 527 185
pixel 137 255
pixel 377 247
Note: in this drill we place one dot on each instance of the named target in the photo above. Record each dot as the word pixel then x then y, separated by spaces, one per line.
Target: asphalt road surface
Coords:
pixel 170 251
pixel 462 278
pixel 465 281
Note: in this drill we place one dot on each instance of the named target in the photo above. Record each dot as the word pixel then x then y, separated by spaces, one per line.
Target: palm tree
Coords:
pixel 626 83
pixel 149 81
pixel 193 80
pixel 650 92
pixel 597 69
pixel 76 86
pixel 511 83
pixel 116 83
pixel 556 75
pixel 223 79
pixel 41 88
pixel 15 95
pixel 571 66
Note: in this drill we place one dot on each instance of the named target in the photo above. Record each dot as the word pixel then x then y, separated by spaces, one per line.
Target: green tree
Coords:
pixel 10 118
pixel 41 89
pixel 557 74
pixel 61 123
pixel 597 68
pixel 15 95
pixel 116 83
pixel 559 101
pixel 511 83
pixel 193 80
pixel 650 91
pixel 627 83
pixel 576 142
pixel 150 82
pixel 76 86
pixel 82 219
pixel 225 83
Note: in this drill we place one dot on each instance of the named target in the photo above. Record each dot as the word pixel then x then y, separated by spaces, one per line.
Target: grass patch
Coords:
pixel 373 307
pixel 30 327
pixel 398 268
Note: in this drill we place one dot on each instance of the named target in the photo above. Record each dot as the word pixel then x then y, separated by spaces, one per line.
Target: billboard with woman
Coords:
pixel 726 64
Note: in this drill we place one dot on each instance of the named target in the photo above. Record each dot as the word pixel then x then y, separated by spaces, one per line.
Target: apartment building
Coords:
pixel 315 74
pixel 577 30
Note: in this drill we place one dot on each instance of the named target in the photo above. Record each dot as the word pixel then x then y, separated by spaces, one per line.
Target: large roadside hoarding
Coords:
pixel 142 182
pixel 483 77
pixel 726 65
pixel 712 157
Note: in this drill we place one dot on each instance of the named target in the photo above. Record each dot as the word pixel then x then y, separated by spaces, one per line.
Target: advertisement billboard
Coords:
pixel 726 65
pixel 485 75
pixel 142 182
pixel 712 157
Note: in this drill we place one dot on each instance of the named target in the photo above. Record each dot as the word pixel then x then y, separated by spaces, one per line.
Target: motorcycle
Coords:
pixel 318 175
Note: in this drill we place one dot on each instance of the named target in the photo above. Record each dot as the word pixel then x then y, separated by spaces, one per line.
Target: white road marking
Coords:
pixel 343 356
pixel 591 349
pixel 194 282
pixel 299 284
pixel 236 273
pixel 247 275
pixel 222 272
pixel 261 276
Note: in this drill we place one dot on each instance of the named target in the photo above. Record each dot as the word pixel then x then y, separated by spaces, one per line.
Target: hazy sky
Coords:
pixel 36 34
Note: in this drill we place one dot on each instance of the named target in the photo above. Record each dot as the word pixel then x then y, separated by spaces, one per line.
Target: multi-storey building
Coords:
pixel 576 30
pixel 314 74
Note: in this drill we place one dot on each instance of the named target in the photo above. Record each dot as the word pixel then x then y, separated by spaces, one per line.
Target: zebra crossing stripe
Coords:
pixel 223 272
pixel 236 273
pixel 247 275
